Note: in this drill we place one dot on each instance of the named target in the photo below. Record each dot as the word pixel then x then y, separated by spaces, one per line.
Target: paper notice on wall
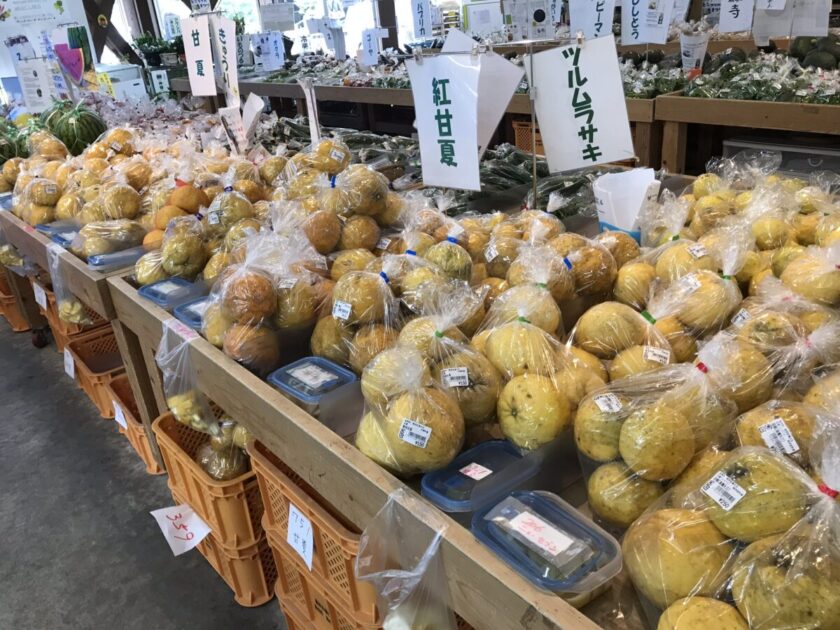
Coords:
pixel 593 18
pixel 736 15
pixel 445 91
pixel 35 83
pixel 199 56
pixel 810 17
pixel 580 105
pixel 497 82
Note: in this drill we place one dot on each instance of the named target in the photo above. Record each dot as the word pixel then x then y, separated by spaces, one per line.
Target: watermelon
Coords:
pixel 78 128
pixel 51 115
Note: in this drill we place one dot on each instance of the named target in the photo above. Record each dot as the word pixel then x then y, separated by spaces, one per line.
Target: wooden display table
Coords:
pixel 485 591
pixel 676 112
pixel 91 288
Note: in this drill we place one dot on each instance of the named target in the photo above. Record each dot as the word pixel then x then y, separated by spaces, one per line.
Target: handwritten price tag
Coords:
pixel 40 295
pixel 180 328
pixel 69 364
pixel 540 533
pixel 299 535
pixel 181 526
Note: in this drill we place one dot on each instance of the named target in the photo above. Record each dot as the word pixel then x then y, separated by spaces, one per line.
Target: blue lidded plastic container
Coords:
pixel 191 312
pixel 61 232
pixel 172 292
pixel 550 543
pixel 460 489
pixel 6 201
pixel 116 260
pixel 326 390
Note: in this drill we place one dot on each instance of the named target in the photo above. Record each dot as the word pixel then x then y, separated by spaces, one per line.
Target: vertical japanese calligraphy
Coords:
pixel 736 15
pixel 591 17
pixel 199 58
pixel 224 41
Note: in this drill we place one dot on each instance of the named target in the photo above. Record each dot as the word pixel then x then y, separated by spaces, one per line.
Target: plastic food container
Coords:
pixel 191 312
pixel 477 477
pixel 551 544
pixel 327 391
pixel 6 201
pixel 172 292
pixel 61 232
pixel 115 260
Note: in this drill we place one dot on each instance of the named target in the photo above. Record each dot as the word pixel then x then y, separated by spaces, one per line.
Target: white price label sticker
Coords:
pixel 181 526
pixel 658 355
pixel 415 433
pixel 181 329
pixel 312 375
pixel 723 490
pixel 476 471
pixel 455 230
pixel 119 415
pixel 741 317
pixel 69 364
pixel 698 250
pixel 777 437
pixel 691 282
pixel 491 252
pixel 40 295
pixel 608 403
pixel 213 218
pixel 540 533
pixel 383 243
pixel 286 283
pixel 198 308
pixel 167 286
pixel 299 534
pixel 341 310
pixel 456 377
pixel 338 155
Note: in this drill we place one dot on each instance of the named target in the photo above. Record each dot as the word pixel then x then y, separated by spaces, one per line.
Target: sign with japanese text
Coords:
pixel 497 82
pixel 171 25
pixel 35 83
pixel 234 128
pixel 59 82
pixel 421 13
pixel 645 22
pixel 591 17
pixel 299 535
pixel 200 6
pixel 445 90
pixel 269 53
pixel 182 528
pixel 580 105
pixel 160 81
pixel 369 51
pixel 680 11
pixel 770 5
pixel 736 15
pixel 224 43
pixel 199 56
pixel 243 50
pixel 810 18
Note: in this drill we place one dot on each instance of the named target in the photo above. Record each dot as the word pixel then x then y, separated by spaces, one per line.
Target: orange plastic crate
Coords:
pixel 307 596
pixel 120 390
pixel 523 138
pixel 9 307
pixel 232 509
pixel 98 361
pixel 335 545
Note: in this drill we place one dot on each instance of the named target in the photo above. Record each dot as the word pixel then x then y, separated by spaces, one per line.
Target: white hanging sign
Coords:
pixel 234 128
pixel 810 18
pixel 199 56
pixel 269 53
pixel 200 6
pixel 591 17
pixel 693 50
pixel 445 91
pixel 497 82
pixel 680 11
pixel 171 26
pixel 182 528
pixel 769 5
pixel 35 80
pixel 243 50
pixel 421 13
pixel 656 21
pixel 369 51
pixel 776 23
pixel 299 535
pixel 736 15
pixel 278 16
pixel 311 109
pixel 580 105
pixel 224 44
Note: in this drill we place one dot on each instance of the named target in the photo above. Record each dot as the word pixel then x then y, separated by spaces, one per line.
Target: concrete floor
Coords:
pixel 78 547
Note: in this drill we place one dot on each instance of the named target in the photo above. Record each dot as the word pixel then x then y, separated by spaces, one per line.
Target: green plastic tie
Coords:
pixel 649 317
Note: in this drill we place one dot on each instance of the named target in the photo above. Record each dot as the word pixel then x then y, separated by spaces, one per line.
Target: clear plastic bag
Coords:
pixel 638 432
pixel 183 251
pixel 815 274
pixel 70 308
pixel 825 391
pixel 413 425
pixel 592 264
pixel 187 403
pixel 663 220
pixel 107 237
pixel 402 560
pixel 223 457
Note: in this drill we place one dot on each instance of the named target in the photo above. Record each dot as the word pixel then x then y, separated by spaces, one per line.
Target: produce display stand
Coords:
pixel 482 587
pixel 676 112
pixel 715 46
pixel 89 287
pixel 646 130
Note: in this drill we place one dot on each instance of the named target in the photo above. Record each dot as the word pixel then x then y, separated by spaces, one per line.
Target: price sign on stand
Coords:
pixel 299 535
pixel 645 22
pixel 421 14
pixel 580 105
pixel 224 46
pixel 736 15
pixel 182 528
pixel 199 56
pixel 69 364
pixel 40 295
pixel 35 83
pixel 277 16
pixel 445 90
pixel 593 18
